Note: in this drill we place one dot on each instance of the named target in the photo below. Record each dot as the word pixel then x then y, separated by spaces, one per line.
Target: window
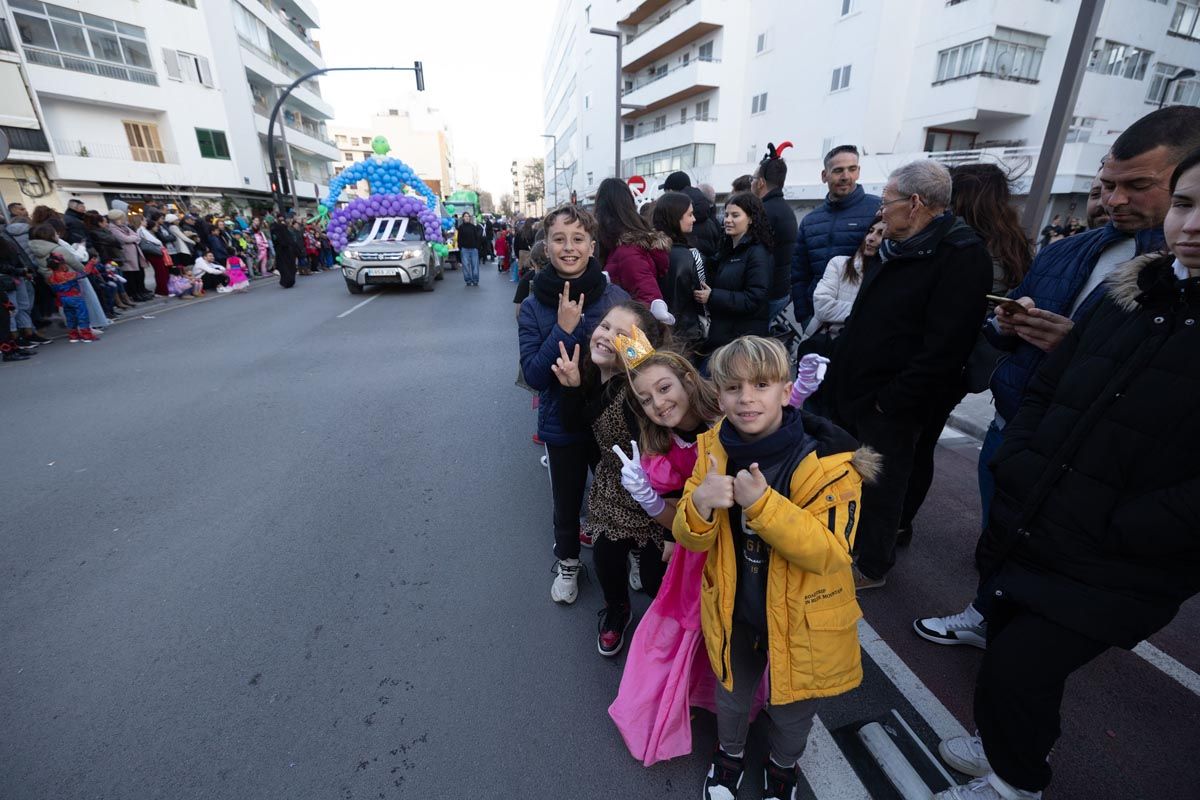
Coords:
pixel 758 103
pixel 1081 129
pixel 188 3
pixel 627 133
pixel 686 58
pixel 348 156
pixel 1184 22
pixel 587 100
pixel 61 37
pixel 251 30
pixel 683 115
pixel 340 138
pixel 841 79
pixel 826 146
pixel 938 140
pixel 1008 54
pixel 187 67
pixel 354 140
pixel 660 122
pixel 628 87
pixel 1185 92
pixel 587 142
pixel 705 52
pixel 212 144
pixel 664 162
pixel 763 43
pixel 1122 60
pixel 589 179
pixel 702 110
pixel 144 143
pixel 847 7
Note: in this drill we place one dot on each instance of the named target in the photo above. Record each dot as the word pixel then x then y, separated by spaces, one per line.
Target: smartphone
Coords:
pixel 1008 304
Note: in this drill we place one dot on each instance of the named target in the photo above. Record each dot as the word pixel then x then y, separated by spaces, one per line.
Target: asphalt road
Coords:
pixel 262 548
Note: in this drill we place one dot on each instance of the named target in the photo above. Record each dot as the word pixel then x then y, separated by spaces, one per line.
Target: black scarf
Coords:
pixel 923 243
pixel 547 285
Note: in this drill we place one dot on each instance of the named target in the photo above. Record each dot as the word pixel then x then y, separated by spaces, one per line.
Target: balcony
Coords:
pixel 275 71
pixel 975 98
pixel 685 25
pixel 287 28
pixel 90 66
pixel 638 11
pixel 113 162
pixel 650 139
pixel 306 138
pixel 659 91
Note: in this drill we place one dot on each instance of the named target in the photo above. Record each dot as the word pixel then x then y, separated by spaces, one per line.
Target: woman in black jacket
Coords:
pixel 106 248
pixel 673 215
pixel 736 294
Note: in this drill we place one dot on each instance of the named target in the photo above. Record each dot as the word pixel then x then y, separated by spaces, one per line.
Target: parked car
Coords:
pixel 391 250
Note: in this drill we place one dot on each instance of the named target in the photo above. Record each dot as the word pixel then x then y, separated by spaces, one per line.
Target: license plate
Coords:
pixel 382 273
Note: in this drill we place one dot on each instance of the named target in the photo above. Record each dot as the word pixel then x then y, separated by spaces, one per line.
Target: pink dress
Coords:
pixel 667 670
pixel 237 275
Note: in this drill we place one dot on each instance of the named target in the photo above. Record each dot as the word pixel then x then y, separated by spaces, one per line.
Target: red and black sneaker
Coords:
pixel 614 620
pixel 779 783
pixel 724 777
pixel 586 539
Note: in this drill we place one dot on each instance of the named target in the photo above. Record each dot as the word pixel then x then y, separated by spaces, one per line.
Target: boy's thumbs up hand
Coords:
pixel 715 491
pixel 749 486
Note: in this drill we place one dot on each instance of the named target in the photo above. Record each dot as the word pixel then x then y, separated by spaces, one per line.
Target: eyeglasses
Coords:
pixel 887 203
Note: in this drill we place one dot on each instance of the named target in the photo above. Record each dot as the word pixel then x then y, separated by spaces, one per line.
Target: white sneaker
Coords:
pixel 990 787
pixel 635 573
pixel 965 754
pixel 968 627
pixel 566 581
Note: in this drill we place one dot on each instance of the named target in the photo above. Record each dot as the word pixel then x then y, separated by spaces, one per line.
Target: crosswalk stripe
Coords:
pixel 944 724
pixel 827 770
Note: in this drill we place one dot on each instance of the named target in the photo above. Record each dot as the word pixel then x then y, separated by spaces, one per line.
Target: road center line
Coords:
pixel 357 307
pixel 944 724
pixel 1172 668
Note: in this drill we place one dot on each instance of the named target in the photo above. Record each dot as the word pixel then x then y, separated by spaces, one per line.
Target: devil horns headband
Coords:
pixel 774 152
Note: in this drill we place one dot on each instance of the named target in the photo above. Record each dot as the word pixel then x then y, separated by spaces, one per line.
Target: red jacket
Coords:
pixel 637 264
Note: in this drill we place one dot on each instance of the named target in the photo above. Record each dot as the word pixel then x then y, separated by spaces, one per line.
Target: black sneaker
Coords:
pixel 37 338
pixel 724 777
pixel 614 620
pixel 779 783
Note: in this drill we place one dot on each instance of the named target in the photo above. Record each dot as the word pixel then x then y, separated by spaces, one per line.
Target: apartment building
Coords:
pixel 708 83
pixel 579 100
pixel 417 134
pixel 168 99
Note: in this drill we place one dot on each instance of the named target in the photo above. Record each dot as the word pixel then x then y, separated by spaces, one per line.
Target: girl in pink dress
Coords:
pixel 238 282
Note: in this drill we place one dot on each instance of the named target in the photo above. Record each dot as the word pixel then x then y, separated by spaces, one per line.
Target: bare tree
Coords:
pixel 486 204
pixel 506 204
pixel 534 180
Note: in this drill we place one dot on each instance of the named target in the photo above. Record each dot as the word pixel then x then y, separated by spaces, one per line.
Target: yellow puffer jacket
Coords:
pixel 812 635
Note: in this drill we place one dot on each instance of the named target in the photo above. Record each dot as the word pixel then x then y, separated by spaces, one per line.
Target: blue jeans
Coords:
pixel 76 313
pixel 987 484
pixel 470 265
pixel 777 305
pixel 22 298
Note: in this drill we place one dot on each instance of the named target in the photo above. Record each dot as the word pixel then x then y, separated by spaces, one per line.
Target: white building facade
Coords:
pixel 168 99
pixel 713 81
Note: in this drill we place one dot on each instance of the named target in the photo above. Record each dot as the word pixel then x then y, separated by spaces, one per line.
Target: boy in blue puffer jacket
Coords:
pixel 565 303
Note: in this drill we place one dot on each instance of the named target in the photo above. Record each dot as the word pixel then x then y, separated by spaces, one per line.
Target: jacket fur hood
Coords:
pixel 1127 284
pixel 868 463
pixel 648 240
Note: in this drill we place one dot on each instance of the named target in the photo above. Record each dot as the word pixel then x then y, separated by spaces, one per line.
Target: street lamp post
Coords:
pixel 283 95
pixel 1186 72
pixel 553 155
pixel 618 36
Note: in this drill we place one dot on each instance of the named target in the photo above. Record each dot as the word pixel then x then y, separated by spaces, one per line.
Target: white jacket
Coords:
pixel 834 296
pixel 201 266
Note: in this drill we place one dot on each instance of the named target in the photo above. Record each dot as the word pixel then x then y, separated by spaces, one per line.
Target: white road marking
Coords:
pixel 357 307
pixel 1173 669
pixel 944 724
pixel 827 770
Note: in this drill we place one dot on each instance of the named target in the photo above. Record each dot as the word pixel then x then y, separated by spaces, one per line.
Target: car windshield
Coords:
pixel 391 229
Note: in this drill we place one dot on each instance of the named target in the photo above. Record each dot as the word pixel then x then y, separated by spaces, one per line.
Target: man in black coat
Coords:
pixel 285 253
pixel 73 219
pixel 768 184
pixel 902 352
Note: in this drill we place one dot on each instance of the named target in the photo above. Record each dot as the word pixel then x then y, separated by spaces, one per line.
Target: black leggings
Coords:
pixel 610 557
pixel 569 465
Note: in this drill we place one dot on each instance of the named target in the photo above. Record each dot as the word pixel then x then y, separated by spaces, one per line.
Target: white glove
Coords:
pixel 661 313
pixel 809 374
pixel 634 479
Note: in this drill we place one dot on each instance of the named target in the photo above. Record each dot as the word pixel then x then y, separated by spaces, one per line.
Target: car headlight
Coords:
pixel 351 254
pixel 414 253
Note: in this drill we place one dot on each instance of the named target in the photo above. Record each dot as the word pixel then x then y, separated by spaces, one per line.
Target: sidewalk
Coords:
pixel 972 416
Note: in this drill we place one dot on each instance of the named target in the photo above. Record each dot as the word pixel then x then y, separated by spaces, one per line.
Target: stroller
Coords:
pixel 785 331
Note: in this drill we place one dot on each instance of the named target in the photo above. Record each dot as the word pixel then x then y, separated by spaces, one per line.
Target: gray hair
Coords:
pixel 927 179
pixel 708 191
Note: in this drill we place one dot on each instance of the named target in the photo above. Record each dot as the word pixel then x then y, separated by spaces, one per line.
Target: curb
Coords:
pixel 971 428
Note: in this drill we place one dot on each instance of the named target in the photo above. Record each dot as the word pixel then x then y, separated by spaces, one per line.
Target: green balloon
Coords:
pixel 380 145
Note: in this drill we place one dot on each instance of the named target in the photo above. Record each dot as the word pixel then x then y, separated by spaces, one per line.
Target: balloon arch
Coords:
pixel 388 178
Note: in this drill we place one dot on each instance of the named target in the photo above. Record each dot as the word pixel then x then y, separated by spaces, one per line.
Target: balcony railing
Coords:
pixel 118 152
pixel 296 27
pixel 26 139
pixel 650 130
pixel 104 69
pixel 280 64
pixel 646 80
pixel 6 42
pixel 629 37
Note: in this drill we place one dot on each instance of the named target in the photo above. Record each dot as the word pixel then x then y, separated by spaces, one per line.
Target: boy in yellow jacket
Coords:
pixel 774 500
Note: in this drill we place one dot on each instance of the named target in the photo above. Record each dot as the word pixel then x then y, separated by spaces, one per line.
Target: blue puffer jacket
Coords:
pixel 836 228
pixel 538 337
pixel 1054 279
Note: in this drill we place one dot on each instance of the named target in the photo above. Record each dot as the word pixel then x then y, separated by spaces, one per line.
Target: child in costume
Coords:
pixel 565 303
pixel 774 501
pixel 662 677
pixel 65 283
pixel 181 286
pixel 238 281
pixel 596 394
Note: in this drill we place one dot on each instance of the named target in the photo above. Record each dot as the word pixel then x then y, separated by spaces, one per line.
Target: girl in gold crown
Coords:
pixel 596 395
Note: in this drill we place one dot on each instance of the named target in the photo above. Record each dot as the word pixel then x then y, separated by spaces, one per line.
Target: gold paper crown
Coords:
pixel 633 349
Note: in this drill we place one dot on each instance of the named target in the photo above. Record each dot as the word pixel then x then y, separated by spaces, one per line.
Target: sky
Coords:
pixel 483 70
